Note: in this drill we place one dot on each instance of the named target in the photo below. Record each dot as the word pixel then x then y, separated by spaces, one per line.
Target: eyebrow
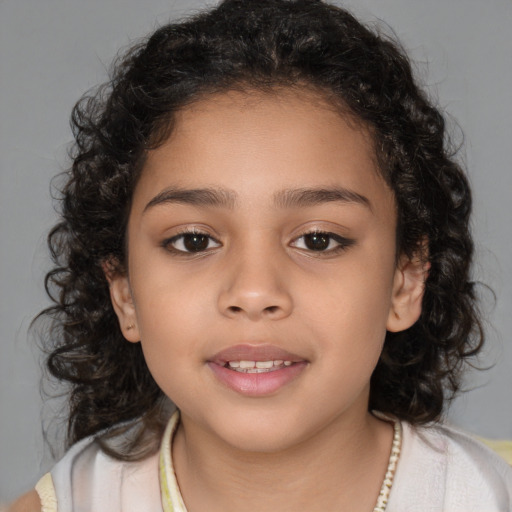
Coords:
pixel 288 198
pixel 195 197
pixel 304 197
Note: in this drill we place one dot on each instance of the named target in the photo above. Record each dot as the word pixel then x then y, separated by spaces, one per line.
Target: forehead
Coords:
pixel 257 144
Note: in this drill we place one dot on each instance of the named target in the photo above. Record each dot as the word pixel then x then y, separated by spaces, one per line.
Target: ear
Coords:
pixel 408 290
pixel 122 302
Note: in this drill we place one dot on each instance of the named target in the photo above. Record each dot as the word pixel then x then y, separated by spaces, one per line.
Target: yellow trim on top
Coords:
pixel 46 491
pixel 171 496
pixel 502 448
pixel 166 495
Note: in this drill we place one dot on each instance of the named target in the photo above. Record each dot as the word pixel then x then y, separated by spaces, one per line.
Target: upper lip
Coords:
pixel 248 352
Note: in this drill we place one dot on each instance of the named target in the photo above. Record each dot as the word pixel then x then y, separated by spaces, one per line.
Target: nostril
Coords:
pixel 268 309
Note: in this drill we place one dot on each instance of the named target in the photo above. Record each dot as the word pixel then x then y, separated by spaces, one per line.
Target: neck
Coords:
pixel 340 468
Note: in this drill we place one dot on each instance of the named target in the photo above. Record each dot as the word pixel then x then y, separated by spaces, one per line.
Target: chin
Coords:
pixel 261 432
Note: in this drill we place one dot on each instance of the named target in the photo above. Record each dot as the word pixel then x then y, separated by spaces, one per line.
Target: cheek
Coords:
pixel 167 296
pixel 171 315
pixel 351 308
pixel 359 287
pixel 170 325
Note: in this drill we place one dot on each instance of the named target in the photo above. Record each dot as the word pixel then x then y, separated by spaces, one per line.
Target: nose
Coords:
pixel 255 287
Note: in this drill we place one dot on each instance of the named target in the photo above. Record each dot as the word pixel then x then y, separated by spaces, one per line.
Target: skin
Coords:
pixel 27 503
pixel 312 444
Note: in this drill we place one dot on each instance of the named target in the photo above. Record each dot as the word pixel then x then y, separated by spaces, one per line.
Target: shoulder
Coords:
pixel 89 476
pixel 449 469
pixel 467 456
pixel 29 502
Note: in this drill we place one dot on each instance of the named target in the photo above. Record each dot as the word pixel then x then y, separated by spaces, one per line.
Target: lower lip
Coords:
pixel 257 384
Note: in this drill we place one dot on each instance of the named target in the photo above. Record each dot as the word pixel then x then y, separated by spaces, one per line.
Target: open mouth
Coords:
pixel 257 366
pixel 256 370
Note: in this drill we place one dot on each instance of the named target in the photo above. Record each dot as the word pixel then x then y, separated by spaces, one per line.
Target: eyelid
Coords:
pixel 167 243
pixel 343 242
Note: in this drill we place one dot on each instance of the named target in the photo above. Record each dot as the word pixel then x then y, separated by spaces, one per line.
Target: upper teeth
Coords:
pixel 246 365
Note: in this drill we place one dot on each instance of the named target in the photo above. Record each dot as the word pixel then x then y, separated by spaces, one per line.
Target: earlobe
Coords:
pixel 408 290
pixel 122 302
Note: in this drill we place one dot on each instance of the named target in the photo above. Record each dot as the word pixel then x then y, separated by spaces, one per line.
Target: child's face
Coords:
pixel 224 265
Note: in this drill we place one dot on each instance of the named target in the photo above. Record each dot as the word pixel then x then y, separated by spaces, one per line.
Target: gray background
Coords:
pixel 52 51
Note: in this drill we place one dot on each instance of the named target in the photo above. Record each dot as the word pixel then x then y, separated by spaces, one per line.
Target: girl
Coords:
pixel 263 226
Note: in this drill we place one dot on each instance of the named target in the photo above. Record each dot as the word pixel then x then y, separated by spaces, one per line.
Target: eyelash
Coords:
pixel 342 243
pixel 180 237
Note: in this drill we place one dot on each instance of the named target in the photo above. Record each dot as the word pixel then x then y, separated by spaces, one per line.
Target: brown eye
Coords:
pixel 195 243
pixel 322 242
pixel 317 241
pixel 191 243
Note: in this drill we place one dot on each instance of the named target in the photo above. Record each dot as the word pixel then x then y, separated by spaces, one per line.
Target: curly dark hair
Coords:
pixel 258 45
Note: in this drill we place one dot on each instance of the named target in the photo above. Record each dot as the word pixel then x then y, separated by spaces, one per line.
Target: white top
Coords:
pixel 440 469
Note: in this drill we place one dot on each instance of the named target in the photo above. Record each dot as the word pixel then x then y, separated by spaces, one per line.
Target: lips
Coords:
pixel 254 353
pixel 256 370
